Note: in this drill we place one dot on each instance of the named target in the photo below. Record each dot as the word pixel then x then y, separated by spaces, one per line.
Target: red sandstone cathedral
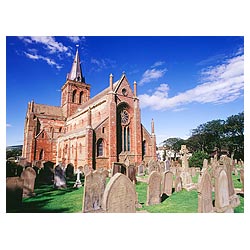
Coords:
pixel 94 131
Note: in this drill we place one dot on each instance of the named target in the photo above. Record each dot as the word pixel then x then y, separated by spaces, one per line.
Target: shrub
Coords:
pixel 196 160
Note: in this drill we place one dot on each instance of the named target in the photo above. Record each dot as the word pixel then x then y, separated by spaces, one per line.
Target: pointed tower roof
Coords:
pixel 76 70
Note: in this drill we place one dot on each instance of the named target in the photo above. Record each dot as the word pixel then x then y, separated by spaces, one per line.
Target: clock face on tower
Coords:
pixel 124 117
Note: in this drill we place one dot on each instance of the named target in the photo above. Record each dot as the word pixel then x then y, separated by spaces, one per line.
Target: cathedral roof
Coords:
pixel 76 70
pixel 46 110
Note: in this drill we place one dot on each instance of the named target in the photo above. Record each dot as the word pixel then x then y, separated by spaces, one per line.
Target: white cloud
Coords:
pixel 157 64
pixel 76 39
pixel 8 125
pixel 49 41
pixel 103 63
pixel 48 60
pixel 221 83
pixel 151 74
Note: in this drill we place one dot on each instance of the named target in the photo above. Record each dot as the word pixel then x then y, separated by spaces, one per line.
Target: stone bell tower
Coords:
pixel 75 91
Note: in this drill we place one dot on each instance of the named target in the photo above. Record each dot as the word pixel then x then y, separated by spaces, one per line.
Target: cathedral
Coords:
pixel 96 131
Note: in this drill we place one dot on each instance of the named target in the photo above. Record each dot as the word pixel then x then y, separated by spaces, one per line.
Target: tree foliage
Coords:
pixel 196 160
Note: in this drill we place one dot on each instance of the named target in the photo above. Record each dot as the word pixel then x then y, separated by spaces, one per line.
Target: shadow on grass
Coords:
pixel 39 203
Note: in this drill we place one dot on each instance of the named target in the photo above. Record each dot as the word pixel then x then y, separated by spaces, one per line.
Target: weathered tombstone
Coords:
pixel 140 170
pixel 184 159
pixel 151 166
pixel 118 167
pixel 187 183
pixel 131 173
pixel 167 183
pixel 167 165
pixel 28 176
pixel 242 178
pixel 14 192
pixel 205 202
pixel 48 173
pixel 178 184
pixel 154 189
pixel 94 187
pixel 119 195
pixel 205 164
pixel 59 178
pixel 222 204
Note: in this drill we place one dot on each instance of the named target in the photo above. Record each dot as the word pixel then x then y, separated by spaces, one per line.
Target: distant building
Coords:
pixel 95 131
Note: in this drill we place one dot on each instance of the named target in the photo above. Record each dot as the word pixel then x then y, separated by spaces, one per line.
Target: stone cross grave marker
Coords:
pixel 154 189
pixel 94 186
pixel 205 202
pixel 119 195
pixel 28 176
pixel 167 183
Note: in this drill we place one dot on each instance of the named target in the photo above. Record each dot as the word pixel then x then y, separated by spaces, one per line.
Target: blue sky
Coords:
pixel 183 81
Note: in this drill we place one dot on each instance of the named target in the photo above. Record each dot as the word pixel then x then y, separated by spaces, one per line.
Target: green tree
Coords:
pixel 196 160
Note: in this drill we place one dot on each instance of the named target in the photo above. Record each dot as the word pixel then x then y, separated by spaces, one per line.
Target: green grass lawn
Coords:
pixel 69 200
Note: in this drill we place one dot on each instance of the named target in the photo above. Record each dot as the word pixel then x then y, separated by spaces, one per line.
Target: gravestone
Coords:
pixel 167 165
pixel 59 177
pixel 242 178
pixel 118 167
pixel 47 172
pixel 94 186
pixel 184 159
pixel 187 183
pixel 119 195
pixel 222 204
pixel 28 176
pixel 131 173
pixel 154 189
pixel 193 172
pixel 167 183
pixel 205 202
pixel 14 192
pixel 140 170
pixel 178 184
pixel 78 182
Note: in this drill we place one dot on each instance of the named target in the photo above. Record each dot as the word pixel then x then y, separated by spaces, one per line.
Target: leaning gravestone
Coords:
pixel 119 195
pixel 28 176
pixel 167 183
pixel 205 202
pixel 14 192
pixel 154 189
pixel 94 187
pixel 222 204
pixel 59 178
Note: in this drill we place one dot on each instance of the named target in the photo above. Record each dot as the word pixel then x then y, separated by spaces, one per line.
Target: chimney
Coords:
pixel 111 82
pixel 135 89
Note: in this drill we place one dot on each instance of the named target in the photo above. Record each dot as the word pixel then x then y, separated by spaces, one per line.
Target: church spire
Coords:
pixel 76 70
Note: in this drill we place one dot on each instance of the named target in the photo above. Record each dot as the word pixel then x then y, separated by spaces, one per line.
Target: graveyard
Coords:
pixel 159 187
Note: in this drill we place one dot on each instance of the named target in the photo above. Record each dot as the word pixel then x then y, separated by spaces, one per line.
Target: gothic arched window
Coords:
pixel 74 96
pixel 41 154
pixel 100 147
pixel 81 97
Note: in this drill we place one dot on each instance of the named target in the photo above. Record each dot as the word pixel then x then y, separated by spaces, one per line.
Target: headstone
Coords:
pixel 167 165
pixel 47 172
pixel 28 176
pixel 131 173
pixel 167 183
pixel 187 183
pixel 119 195
pixel 14 192
pixel 59 178
pixel 184 159
pixel 140 170
pixel 242 178
pixel 222 204
pixel 94 186
pixel 178 184
pixel 118 167
pixel 205 202
pixel 154 189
